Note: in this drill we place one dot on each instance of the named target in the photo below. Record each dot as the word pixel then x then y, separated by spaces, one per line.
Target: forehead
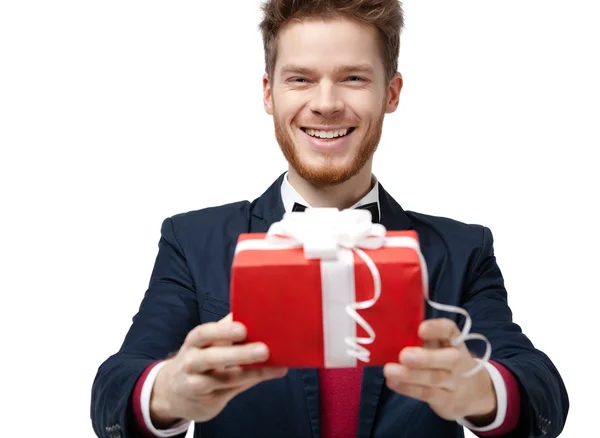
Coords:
pixel 323 44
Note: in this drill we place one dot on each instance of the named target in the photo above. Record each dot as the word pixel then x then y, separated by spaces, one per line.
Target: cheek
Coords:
pixel 288 107
pixel 365 105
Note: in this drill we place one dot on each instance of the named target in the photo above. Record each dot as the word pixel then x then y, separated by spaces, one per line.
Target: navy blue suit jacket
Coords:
pixel 190 285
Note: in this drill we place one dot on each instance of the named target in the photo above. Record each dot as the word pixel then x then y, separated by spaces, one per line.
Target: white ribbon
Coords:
pixel 331 235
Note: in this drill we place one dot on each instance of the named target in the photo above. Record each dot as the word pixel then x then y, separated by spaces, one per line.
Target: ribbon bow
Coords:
pixel 322 232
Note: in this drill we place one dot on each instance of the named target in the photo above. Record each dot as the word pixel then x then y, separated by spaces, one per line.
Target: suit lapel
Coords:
pixel 267 209
pixel 260 214
pixel 393 217
pixel 372 384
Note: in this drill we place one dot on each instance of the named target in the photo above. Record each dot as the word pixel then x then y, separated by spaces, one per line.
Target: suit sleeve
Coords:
pixel 169 310
pixel 544 401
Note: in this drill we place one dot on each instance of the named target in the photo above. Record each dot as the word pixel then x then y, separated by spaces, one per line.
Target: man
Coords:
pixel 330 79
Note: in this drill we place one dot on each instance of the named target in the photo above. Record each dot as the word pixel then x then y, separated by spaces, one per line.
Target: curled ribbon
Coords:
pixel 322 232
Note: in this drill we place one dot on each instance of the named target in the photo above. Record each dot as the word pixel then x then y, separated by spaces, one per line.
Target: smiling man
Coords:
pixel 328 102
pixel 331 77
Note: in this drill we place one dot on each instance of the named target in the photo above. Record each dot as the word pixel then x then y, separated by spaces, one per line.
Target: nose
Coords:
pixel 325 101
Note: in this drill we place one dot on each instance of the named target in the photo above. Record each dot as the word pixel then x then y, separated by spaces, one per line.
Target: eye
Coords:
pixel 297 80
pixel 355 79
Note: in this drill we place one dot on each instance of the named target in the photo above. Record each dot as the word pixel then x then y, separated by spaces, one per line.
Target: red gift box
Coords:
pixel 298 306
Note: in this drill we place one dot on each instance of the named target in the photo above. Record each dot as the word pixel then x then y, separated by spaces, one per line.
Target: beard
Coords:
pixel 331 174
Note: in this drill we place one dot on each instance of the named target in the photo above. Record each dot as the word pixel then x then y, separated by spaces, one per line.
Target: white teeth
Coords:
pixel 327 134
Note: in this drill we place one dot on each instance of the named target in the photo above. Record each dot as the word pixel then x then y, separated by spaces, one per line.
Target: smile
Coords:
pixel 329 140
pixel 328 134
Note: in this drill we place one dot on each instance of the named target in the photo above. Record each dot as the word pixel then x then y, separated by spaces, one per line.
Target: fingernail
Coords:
pixel 410 356
pixel 260 352
pixel 238 330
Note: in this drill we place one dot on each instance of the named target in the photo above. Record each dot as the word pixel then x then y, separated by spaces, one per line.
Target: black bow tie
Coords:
pixel 372 207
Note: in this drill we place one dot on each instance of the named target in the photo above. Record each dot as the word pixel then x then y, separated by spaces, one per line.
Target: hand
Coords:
pixel 198 382
pixel 433 374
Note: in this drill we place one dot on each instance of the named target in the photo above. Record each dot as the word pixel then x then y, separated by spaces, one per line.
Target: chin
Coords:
pixel 325 161
pixel 325 172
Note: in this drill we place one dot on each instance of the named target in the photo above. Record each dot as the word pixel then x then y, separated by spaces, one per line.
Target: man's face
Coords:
pixel 328 96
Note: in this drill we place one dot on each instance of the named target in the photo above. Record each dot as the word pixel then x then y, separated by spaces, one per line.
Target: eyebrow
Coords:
pixel 358 68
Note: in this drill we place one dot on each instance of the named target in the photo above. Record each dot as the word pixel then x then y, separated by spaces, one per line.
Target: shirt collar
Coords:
pixel 289 196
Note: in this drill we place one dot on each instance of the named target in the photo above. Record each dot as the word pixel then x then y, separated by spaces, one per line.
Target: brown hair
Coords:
pixel 385 15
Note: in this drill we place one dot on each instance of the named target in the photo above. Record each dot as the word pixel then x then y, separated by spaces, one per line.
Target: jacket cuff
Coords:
pixel 141 406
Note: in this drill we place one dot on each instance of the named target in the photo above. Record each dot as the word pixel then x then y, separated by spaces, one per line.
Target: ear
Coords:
pixel 267 95
pixel 393 96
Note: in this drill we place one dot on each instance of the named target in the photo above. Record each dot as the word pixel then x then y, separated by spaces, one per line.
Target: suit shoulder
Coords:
pixel 448 229
pixel 232 214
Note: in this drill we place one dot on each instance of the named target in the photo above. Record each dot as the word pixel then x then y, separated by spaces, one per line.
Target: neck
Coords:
pixel 340 196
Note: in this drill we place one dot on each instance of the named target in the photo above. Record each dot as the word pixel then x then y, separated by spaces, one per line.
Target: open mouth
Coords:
pixel 329 134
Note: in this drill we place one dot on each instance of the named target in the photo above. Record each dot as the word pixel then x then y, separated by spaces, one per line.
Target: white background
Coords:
pixel 117 114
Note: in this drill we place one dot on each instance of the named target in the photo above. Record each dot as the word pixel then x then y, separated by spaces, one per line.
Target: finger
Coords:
pixel 442 358
pixel 218 357
pixel 211 332
pixel 428 394
pixel 215 383
pixel 397 374
pixel 228 318
pixel 240 377
pixel 434 344
pixel 440 333
pixel 442 329
pixel 229 393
